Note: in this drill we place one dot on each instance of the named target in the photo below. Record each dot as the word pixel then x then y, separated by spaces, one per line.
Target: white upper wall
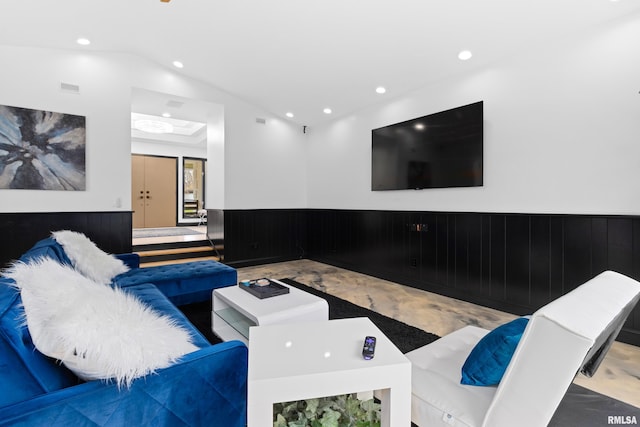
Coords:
pixel 562 134
pixel 266 166
pixel 31 78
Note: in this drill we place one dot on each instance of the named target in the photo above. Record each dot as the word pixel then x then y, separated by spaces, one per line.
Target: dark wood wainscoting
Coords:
pixel 511 262
pixel 111 231
pixel 261 236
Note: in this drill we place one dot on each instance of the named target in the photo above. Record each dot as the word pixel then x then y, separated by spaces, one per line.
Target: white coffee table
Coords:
pixel 235 310
pixel 293 361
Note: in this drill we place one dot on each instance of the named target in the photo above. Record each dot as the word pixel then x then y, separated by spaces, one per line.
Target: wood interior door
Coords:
pixel 154 191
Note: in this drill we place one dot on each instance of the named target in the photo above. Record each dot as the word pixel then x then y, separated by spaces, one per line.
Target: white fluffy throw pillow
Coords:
pixel 87 258
pixel 97 331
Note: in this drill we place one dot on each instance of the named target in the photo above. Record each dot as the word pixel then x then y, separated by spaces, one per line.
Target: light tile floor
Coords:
pixel 618 376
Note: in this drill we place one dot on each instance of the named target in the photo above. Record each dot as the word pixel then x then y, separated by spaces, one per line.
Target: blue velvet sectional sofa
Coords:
pixel 206 387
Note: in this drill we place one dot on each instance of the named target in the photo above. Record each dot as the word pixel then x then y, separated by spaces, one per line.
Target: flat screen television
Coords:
pixel 436 151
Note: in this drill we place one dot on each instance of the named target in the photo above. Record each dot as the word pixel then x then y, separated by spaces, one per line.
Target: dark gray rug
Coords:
pixel 405 337
pixel 580 407
pixel 139 233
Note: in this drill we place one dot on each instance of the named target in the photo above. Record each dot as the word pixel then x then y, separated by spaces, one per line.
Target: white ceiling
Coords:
pixel 305 55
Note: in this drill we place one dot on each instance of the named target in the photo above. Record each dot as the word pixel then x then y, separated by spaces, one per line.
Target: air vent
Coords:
pixel 174 104
pixel 261 121
pixel 68 87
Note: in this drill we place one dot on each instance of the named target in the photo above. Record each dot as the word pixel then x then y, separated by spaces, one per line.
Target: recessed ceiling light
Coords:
pixel 178 64
pixel 290 115
pixel 327 110
pixel 83 41
pixel 380 89
pixel 464 55
pixel 166 115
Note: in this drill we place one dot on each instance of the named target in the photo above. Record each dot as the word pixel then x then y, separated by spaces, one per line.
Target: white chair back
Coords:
pixel 569 334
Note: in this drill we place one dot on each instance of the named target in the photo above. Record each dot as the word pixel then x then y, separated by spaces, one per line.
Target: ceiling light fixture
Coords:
pixel 178 64
pixel 83 41
pixel 327 110
pixel 153 126
pixel 289 114
pixel 166 115
pixel 380 90
pixel 464 55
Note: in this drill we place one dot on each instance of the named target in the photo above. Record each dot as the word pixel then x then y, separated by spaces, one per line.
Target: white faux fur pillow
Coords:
pixel 97 331
pixel 87 258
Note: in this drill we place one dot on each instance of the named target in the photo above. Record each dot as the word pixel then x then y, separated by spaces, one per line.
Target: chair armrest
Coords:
pixel 131 260
pixel 207 387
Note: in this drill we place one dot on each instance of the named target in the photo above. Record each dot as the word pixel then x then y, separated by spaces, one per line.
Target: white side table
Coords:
pixel 235 310
pixel 295 361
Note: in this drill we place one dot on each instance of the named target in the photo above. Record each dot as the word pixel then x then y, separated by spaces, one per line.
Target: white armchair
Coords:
pixel 569 335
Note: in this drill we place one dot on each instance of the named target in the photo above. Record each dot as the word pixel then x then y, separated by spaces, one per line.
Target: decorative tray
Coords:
pixel 264 291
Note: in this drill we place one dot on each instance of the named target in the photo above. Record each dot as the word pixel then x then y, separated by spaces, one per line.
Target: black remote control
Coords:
pixel 369 347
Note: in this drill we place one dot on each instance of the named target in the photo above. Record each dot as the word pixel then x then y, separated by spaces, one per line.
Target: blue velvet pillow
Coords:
pixel 489 359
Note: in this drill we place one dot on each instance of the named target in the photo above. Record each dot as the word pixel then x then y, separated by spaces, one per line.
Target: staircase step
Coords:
pixel 171 245
pixel 176 252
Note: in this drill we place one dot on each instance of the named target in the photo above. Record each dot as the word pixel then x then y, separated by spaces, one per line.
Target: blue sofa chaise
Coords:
pixel 205 387
pixel 181 283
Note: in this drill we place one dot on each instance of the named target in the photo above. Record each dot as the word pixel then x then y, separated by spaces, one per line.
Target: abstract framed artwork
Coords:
pixel 42 150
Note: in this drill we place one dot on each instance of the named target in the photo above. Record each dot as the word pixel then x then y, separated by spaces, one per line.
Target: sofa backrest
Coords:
pixel 560 339
pixel 24 371
pixel 47 248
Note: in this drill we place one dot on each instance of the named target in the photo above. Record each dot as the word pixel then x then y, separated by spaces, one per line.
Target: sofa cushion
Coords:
pixel 24 371
pixel 182 283
pixel 150 295
pixel 97 331
pixel 437 394
pixel 87 258
pixel 489 359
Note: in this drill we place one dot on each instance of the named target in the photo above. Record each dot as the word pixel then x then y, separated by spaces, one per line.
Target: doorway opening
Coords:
pixel 192 132
pixel 193 189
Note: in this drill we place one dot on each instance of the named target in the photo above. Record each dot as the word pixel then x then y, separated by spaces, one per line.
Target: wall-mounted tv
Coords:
pixel 436 151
